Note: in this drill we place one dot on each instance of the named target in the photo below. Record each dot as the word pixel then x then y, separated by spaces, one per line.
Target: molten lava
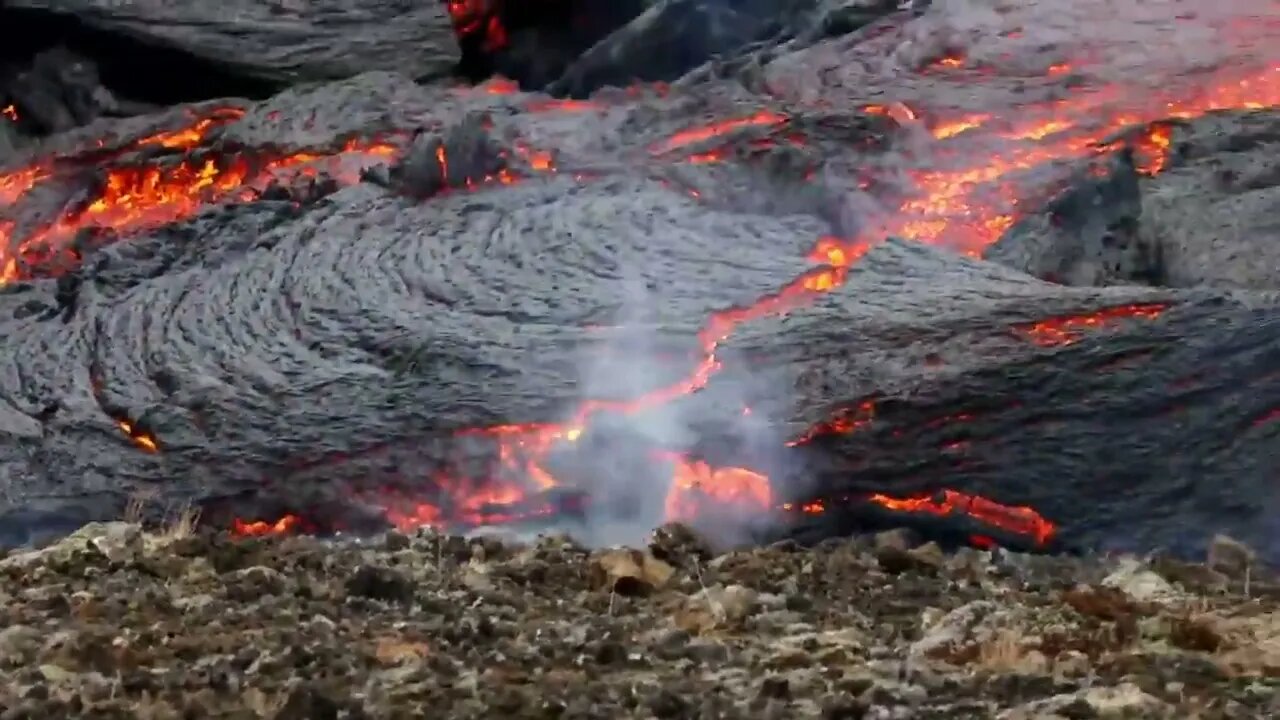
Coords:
pixel 965 198
pixel 1068 329
pixel 137 197
pixel 967 208
pixel 698 490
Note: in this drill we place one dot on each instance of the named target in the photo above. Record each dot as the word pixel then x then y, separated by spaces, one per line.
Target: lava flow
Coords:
pixel 966 208
pixel 136 197
pixel 963 196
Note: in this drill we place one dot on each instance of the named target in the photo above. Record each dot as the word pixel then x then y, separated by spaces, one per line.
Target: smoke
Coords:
pixel 638 455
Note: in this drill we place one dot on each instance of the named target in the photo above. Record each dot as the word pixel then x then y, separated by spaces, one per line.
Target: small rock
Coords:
pixel 267 581
pixel 1230 556
pixel 929 554
pixel 629 572
pixel 953 629
pixel 119 542
pixel 902 539
pixel 775 688
pixel 665 704
pixel 379 583
pixel 896 561
pixel 19 643
pixel 1072 664
pixel 1122 701
pixel 395 541
pixel 1139 583
pixel 193 603
pixel 842 706
pixel 678 544
pixel 736 602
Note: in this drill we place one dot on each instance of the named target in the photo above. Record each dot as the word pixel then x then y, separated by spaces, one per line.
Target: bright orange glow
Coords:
pixel 10 111
pixel 1068 329
pixel 1023 521
pixel 966 208
pixel 697 489
pixel 696 135
pixel 262 528
pixel 137 197
pixel 969 207
pixel 965 199
pixel 139 438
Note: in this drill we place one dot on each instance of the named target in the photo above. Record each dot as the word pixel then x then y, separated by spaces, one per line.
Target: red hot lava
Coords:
pixel 136 197
pixel 967 207
pixel 962 205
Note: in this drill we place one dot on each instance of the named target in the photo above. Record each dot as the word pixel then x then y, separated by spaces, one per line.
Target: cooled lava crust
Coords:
pixel 926 269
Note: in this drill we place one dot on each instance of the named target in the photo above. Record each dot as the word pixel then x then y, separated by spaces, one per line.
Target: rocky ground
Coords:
pixel 117 622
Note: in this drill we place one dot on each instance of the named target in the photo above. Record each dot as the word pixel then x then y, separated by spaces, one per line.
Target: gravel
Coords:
pixel 116 621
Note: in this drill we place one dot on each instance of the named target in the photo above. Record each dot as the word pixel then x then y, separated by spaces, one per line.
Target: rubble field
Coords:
pixel 117 622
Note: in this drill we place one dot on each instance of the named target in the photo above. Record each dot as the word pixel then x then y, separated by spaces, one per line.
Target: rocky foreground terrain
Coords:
pixel 116 622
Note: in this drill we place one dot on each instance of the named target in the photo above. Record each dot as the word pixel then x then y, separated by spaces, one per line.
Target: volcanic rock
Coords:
pixel 277 43
pixel 523 641
pixel 629 572
pixel 58 92
pixel 370 302
pixel 1230 556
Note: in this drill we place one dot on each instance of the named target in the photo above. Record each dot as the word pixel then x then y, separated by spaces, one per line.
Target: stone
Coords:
pixel 629 572
pixel 897 539
pixel 1140 583
pixel 19 643
pixel 1230 556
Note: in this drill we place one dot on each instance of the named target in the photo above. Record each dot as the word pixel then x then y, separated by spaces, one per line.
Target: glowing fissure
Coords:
pixel 966 208
pixel 137 197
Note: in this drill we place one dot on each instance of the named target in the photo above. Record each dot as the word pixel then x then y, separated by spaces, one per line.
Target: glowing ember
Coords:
pixel 472 18
pixel 10 112
pixel 1068 329
pixel 842 423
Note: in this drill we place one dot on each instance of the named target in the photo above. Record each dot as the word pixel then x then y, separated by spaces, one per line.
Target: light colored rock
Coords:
pixel 1122 701
pixel 1253 642
pixel 118 542
pixel 736 602
pixel 629 572
pixel 1108 703
pixel 115 541
pixel 19 643
pixel 1230 556
pixel 953 629
pixel 1141 584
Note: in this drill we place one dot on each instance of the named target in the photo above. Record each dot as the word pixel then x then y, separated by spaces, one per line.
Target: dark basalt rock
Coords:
pixel 321 342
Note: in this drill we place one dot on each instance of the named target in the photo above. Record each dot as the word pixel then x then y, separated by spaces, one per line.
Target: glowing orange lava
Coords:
pixel 1068 329
pixel 693 136
pixel 260 528
pixel 697 489
pixel 137 197
pixel 964 201
pixel 1022 521
pixel 967 208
